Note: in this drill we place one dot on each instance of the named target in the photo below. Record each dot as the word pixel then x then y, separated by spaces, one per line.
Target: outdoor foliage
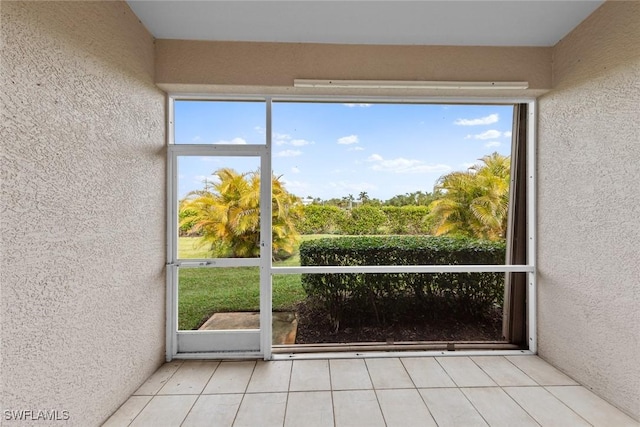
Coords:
pixel 417 198
pixel 407 219
pixel 187 219
pixel 319 219
pixel 365 219
pixel 385 296
pixel 227 215
pixel 474 203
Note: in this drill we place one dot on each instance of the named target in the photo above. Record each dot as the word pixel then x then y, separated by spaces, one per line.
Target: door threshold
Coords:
pixel 448 346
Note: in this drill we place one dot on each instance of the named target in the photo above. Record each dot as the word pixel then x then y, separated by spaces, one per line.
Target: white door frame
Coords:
pixel 246 343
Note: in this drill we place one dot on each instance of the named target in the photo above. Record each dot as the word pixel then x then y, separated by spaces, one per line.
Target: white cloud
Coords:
pixel 490 134
pixel 295 170
pixel 259 129
pixel 234 141
pixel 491 118
pixel 352 187
pixel 356 149
pixel 357 105
pixel 300 142
pixel 295 186
pixel 347 140
pixel 288 153
pixel 492 144
pixel 402 165
pixel 280 138
pixel 286 139
pixel 507 134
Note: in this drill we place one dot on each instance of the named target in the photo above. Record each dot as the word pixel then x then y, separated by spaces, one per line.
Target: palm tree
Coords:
pixel 474 203
pixel 364 197
pixel 227 215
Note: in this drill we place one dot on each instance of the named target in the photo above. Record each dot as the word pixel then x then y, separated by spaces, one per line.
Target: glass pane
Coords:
pixel 218 207
pixel 219 122
pixel 219 298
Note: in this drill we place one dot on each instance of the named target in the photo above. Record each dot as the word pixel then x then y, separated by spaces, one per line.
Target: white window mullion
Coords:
pixel 266 242
pixel 531 226
pixel 171 344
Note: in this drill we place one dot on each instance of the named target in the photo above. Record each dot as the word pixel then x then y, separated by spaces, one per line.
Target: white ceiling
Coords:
pixel 452 22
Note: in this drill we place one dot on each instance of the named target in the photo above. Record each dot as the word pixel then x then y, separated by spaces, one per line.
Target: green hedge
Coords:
pixel 364 219
pixel 320 220
pixel 384 297
pixel 407 219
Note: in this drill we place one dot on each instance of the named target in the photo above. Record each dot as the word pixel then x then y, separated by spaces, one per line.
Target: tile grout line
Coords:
pixel 138 414
pixel 408 374
pixel 418 390
pixel 286 404
pixel 464 394
pixel 199 395
pixel 567 406
pixel 502 389
pixel 246 387
pixel 152 395
pixel 519 405
pixel 474 406
pixel 538 385
pixel 168 379
pixel 235 417
pixel 375 391
pixel 190 409
pixel 521 370
pixel 544 387
pixel 333 412
pixel 446 372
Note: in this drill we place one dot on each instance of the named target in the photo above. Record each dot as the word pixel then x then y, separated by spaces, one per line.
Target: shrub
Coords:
pixel 363 220
pixel 407 219
pixel 318 219
pixel 187 220
pixel 385 296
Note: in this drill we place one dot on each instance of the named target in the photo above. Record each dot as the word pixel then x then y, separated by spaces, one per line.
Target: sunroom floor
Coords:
pixel 403 391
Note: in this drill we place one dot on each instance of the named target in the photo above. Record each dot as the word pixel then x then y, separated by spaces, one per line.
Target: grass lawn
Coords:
pixel 204 291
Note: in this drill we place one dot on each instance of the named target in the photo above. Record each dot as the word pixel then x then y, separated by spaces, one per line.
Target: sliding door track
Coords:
pixel 394 347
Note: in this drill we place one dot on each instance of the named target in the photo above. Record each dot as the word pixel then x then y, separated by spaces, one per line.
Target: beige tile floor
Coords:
pixel 407 392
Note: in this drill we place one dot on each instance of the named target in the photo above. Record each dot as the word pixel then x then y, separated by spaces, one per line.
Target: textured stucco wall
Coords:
pixel 205 64
pixel 82 208
pixel 589 206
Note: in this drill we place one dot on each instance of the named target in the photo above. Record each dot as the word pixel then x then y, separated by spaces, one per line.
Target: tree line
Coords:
pixel 226 214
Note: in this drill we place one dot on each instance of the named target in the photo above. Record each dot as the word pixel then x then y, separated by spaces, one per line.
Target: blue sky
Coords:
pixel 331 150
